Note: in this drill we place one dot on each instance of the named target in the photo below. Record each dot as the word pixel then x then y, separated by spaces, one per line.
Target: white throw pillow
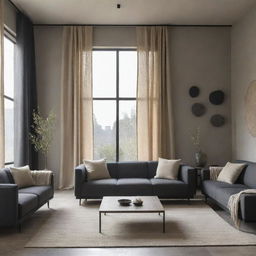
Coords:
pixel 97 169
pixel 230 172
pixel 22 176
pixel 167 169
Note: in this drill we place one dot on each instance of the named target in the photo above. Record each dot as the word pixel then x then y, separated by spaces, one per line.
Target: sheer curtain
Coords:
pixel 2 159
pixel 76 101
pixel 154 100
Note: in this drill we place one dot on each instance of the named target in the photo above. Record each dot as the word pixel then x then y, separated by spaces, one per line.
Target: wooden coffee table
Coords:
pixel 151 204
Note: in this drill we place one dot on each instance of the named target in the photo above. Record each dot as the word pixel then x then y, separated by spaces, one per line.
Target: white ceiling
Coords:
pixel 189 12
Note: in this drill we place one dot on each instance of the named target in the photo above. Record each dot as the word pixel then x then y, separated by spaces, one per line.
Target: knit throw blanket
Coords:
pixel 233 205
pixel 41 178
pixel 214 172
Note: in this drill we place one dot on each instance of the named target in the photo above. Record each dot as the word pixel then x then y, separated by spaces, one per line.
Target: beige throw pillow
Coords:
pixel 230 172
pixel 22 176
pixel 97 169
pixel 167 169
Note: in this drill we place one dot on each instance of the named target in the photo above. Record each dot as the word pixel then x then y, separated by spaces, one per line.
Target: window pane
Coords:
pixel 127 73
pixel 9 130
pixel 8 67
pixel 104 113
pixel 127 131
pixel 104 74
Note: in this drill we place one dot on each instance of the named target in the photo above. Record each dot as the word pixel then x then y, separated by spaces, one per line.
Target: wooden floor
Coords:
pixel 177 251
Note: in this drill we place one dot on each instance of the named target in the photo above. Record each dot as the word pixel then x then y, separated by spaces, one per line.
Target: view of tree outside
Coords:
pixel 105 104
pixel 8 99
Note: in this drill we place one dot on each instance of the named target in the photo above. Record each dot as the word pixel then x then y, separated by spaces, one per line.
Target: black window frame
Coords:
pixel 9 35
pixel 117 99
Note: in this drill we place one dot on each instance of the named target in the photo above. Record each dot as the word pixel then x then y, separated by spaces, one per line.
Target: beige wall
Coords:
pixel 243 71
pixel 199 55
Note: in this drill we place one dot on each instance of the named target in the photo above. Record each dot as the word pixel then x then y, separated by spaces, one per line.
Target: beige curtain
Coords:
pixel 2 160
pixel 154 100
pixel 76 102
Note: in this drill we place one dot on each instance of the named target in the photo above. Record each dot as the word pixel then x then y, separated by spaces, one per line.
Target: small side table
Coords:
pixel 199 169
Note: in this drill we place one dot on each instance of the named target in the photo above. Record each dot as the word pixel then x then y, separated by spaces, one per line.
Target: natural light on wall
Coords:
pixel 9 100
pixel 114 106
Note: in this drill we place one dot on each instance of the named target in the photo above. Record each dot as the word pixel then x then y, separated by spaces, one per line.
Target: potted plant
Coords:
pixel 200 157
pixel 42 135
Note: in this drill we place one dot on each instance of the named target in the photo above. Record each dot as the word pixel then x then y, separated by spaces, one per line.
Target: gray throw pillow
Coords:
pixel 22 176
pixel 167 169
pixel 97 169
pixel 230 172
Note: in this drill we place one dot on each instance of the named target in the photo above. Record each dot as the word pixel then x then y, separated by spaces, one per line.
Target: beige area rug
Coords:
pixel 187 224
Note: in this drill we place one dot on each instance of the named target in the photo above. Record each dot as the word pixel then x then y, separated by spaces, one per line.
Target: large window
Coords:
pixel 9 47
pixel 114 104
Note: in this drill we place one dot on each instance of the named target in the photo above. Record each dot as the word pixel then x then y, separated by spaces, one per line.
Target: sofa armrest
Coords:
pixel 80 178
pixel 248 209
pixel 8 204
pixel 205 174
pixel 189 176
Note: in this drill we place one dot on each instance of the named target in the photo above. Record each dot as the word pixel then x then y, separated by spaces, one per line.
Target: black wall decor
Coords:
pixel 217 97
pixel 198 109
pixel 194 91
pixel 217 120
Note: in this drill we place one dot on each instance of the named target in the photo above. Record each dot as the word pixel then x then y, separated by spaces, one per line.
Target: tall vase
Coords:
pixel 201 159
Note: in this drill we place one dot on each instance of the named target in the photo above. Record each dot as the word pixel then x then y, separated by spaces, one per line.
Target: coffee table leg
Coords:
pixel 163 222
pixel 99 222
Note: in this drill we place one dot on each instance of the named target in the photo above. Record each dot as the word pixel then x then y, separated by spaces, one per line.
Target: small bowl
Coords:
pixel 124 202
pixel 138 203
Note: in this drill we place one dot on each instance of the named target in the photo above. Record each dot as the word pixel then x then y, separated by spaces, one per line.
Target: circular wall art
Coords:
pixel 217 120
pixel 250 108
pixel 194 91
pixel 198 109
pixel 217 97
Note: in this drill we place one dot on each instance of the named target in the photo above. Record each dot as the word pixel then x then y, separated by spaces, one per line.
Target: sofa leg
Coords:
pixel 80 201
pixel 205 199
pixel 188 200
pixel 48 204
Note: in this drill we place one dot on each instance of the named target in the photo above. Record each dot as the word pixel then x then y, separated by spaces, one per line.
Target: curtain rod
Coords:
pixel 128 25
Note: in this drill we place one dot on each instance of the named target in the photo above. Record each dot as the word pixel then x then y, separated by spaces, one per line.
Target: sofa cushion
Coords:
pixel 26 203
pixel 44 193
pixel 97 169
pixel 113 170
pixel 211 187
pixel 230 172
pixel 166 188
pixel 132 170
pixel 167 169
pixel 22 176
pixel 222 195
pixel 152 166
pixel 134 187
pixel 248 176
pixel 98 188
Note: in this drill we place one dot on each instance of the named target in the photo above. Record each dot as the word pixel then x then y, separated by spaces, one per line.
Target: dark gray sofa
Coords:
pixel 17 204
pixel 221 191
pixel 135 179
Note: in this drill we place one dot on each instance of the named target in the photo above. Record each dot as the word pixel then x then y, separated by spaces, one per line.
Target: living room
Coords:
pixel 147 101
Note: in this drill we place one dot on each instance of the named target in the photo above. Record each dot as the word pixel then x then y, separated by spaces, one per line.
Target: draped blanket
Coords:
pixel 41 178
pixel 233 204
pixel 214 172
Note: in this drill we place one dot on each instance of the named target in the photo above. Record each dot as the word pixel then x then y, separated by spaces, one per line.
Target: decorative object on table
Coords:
pixel 200 157
pixel 217 120
pixel 198 109
pixel 124 202
pixel 138 202
pixel 217 97
pixel 250 108
pixel 194 91
pixel 42 134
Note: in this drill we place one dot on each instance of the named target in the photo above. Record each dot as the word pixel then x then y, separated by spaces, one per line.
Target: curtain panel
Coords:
pixel 2 157
pixel 155 133
pixel 76 102
pixel 25 93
